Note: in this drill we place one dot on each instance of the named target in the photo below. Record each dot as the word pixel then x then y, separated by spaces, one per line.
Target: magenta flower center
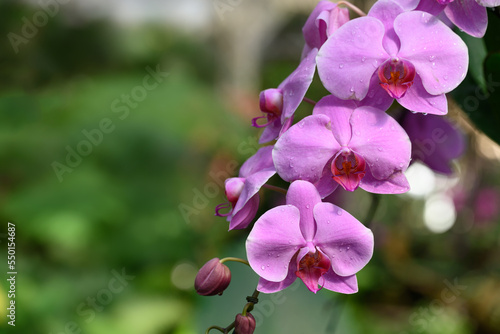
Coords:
pixel 310 269
pixel 396 76
pixel 348 168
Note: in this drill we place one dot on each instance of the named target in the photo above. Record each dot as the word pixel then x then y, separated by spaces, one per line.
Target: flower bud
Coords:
pixel 244 324
pixel 212 279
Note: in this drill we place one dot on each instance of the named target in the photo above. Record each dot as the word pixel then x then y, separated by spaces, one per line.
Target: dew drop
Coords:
pixel 380 149
pixel 401 165
pixel 263 267
pixel 445 77
pixel 431 58
pixel 339 212
pixel 424 113
pixel 348 248
pixel 358 133
pixel 328 222
pixel 341 65
pixel 308 206
pixel 289 241
pixel 268 265
pixel 352 89
pixel 363 59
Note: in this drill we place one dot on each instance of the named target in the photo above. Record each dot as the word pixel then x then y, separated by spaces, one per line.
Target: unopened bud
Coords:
pixel 244 324
pixel 212 279
pixel 271 101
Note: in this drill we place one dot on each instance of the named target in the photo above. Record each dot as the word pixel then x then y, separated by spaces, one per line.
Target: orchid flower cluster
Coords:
pixel 402 50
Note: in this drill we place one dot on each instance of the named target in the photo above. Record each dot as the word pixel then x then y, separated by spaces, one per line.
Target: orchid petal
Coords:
pixel 430 6
pixel 271 131
pixel 439 55
pixel 381 141
pixel 262 159
pixel 435 141
pixel 394 184
pixel 242 217
pixel 377 97
pixel 326 184
pixel 273 241
pixel 266 286
pixel 417 99
pixel 489 3
pixel 347 242
pixel 348 59
pixel 469 16
pixel 302 151
pixel 313 34
pixel 339 111
pixel 341 284
pixel 295 86
pixel 386 11
pixel 304 196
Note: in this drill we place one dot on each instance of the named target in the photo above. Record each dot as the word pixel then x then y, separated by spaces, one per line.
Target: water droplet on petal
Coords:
pixel 341 65
pixel 431 58
pixel 308 206
pixel 363 59
pixel 380 149
pixel 263 267
pixel 339 212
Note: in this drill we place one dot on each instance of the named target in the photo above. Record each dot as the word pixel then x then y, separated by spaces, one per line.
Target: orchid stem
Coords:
pixel 277 189
pixel 251 302
pixel 222 330
pixel 373 209
pixel 351 6
pixel 308 100
pixel 234 259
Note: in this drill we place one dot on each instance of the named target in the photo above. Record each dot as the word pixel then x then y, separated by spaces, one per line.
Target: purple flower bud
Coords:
pixel 212 279
pixel 244 324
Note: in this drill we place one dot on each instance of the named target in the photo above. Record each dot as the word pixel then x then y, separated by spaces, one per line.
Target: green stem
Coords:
pixel 351 6
pixel 249 306
pixel 234 259
pixel 222 330
pixel 277 189
pixel 308 100
pixel 373 209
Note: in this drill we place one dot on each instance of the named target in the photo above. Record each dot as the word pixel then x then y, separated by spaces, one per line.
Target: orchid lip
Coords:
pixel 348 168
pixel 311 268
pixel 396 76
